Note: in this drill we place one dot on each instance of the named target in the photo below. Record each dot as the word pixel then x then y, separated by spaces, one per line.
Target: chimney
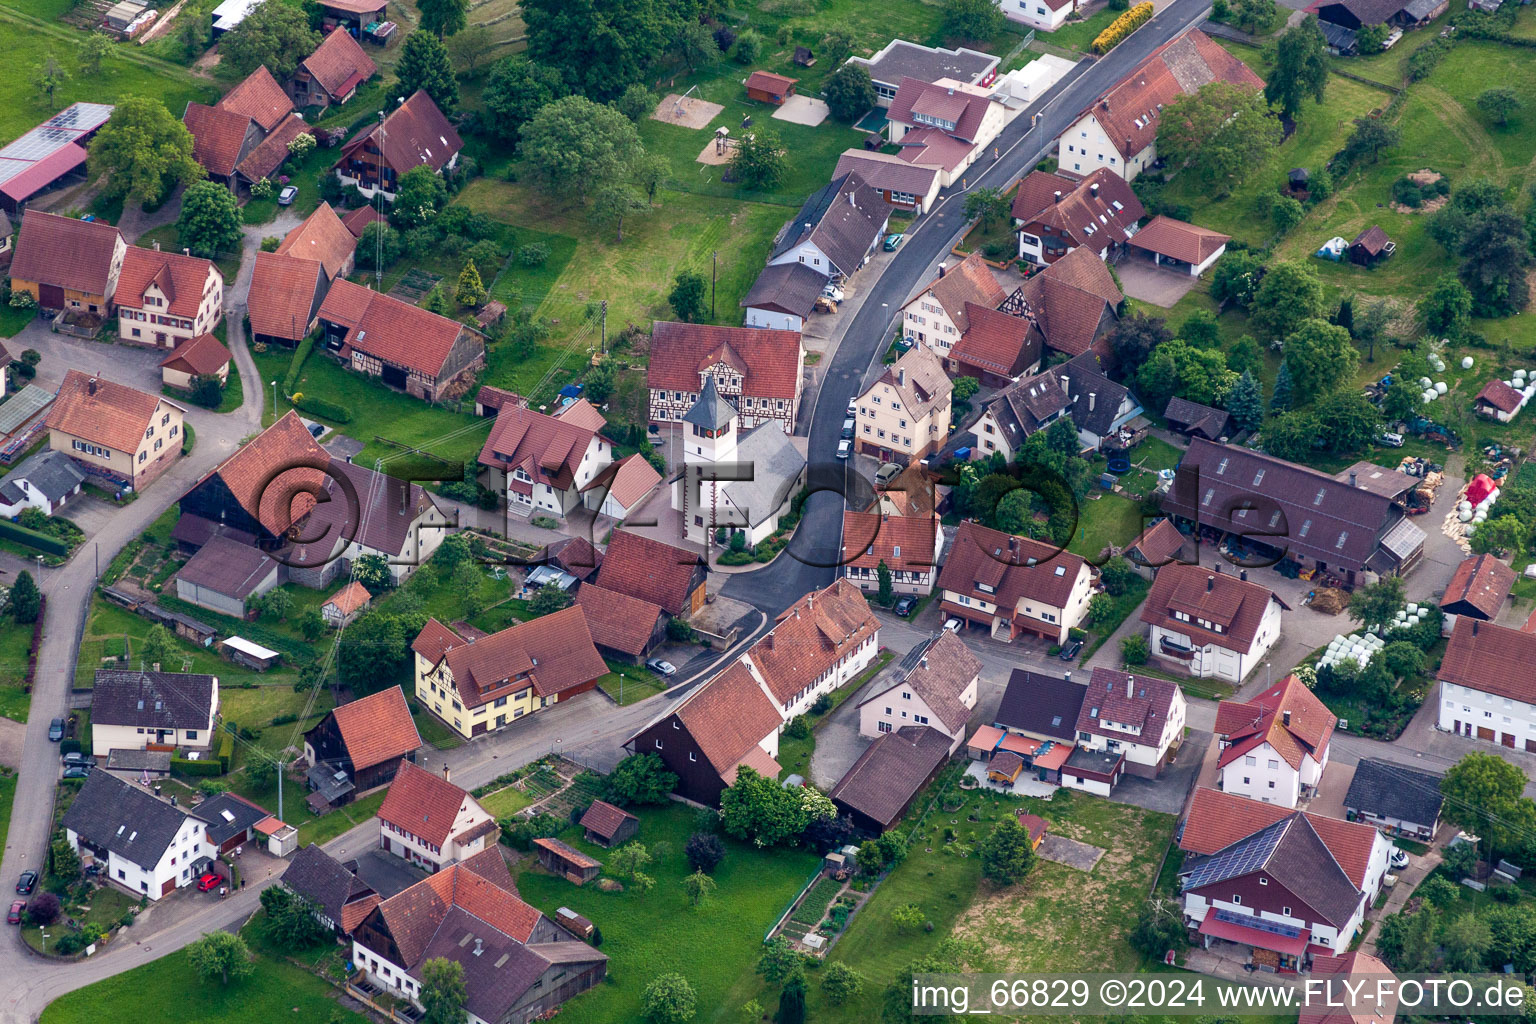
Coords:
pixel 1058 195
pixel 90 386
pixel 941 269
pixel 445 772
pixel 157 246
pixel 1092 399
pixel 925 661
pixel 1093 190
pixel 1130 686
pixel 901 377
pixel 1351 478
pixel 479 947
pixel 1474 627
pixel 851 202
pixel 1218 568
pixel 1210 584
pixel 1285 718
pixel 1243 575
pixel 186 252
pixel 1068 675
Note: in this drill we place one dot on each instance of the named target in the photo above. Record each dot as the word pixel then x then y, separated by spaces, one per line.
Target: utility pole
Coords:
pixel 714 257
pixel 604 343
pixel 378 205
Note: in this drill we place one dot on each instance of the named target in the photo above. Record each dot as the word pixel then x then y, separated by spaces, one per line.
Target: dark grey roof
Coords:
pixel 331 784
pixel 885 778
pixel 195 531
pixel 226 566
pixel 902 59
pixel 1292 853
pixel 1337 36
pixel 228 815
pixel 152 700
pixel 787 287
pixel 1193 417
pixel 1093 399
pixel 777 467
pixel 1041 704
pixel 51 472
pixel 1395 791
pixel 131 760
pixel 123 819
pixel 321 878
pixel 710 411
pixel 842 219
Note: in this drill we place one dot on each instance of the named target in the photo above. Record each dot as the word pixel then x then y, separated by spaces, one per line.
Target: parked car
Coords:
pixel 952 624
pixel 288 195
pixel 892 241
pixel 833 292
pixel 209 882
pixel 1070 650
pixel 844 448
pixel 56 730
pixel 316 429
pixel 78 771
pixel 1392 439
pixel 853 406
pixel 886 473
pixel 27 882
pixel 905 605
pixel 77 758
pixel 847 428
pixel 18 907
pixel 660 667
pixel 1399 858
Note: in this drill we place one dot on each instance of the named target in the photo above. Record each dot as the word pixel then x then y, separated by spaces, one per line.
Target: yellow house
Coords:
pixel 905 413
pixel 68 264
pixel 117 434
pixel 479 684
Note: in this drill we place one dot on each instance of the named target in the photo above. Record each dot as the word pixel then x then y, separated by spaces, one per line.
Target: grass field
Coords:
pixel 15 642
pixel 505 802
pixel 7 793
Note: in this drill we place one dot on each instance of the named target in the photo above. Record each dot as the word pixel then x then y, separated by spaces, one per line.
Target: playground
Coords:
pixel 686 111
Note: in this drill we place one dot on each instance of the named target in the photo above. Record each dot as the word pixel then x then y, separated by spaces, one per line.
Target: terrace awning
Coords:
pixel 1286 944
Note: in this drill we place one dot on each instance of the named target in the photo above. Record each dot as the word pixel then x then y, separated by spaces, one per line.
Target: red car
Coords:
pixel 14 917
pixel 209 881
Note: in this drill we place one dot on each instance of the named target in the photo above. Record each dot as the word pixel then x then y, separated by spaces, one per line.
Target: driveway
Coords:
pixel 1147 282
pixel 1167 793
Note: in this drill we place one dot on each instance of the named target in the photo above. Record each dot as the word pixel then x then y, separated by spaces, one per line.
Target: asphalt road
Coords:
pixel 811 559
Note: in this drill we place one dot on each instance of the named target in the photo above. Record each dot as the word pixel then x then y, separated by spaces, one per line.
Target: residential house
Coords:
pixel 1180 245
pixel 944 124
pixel 907 545
pixel 1156 546
pixel 1074 303
pixel 242 493
pixel 414 134
pixel 1012 586
pixel 285 297
pixel 49 155
pixel 481 685
pixel 837 230
pixel 229 821
pixel 1045 15
pixel 1036 722
pixel 118 434
pixel 1209 623
pixel 1056 213
pixel 817 644
pixel 68 264
pixel 409 348
pixel 431 823
pixel 44 480
pixel 1098 407
pixel 332 73
pixel 322 237
pixel 621 488
pixel 783 297
pixel 1478 589
pixel 359 746
pixel 227 575
pixel 340 899
pixel 937 315
pixel 142 844
pixel 767 87
pixel 887 777
pixel 761 371
pixel 900 59
pixel 933 685
pixel 913 187
pixel 711 498
pixel 1358 989
pixel 1404 14
pixel 139 709
pixel 912 492
pixel 1395 796
pixel 1287 884
pixel 904 413
pixel 1345 525
pixel 624 628
pixel 1499 400
pixel 1195 420
pixel 518 965
pixel 201 356
pixel 1274 747
pixel 541 463
pixel 244 137
pixel 164 298
pixel 345 605
pixel 1486 686
pixel 1141 717
pixel 654 571
pixel 607 825
pixel 1119 130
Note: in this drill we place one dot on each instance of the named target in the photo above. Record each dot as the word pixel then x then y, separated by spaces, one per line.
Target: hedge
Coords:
pixel 226 749
pixel 210 767
pixel 321 407
pixel 33 538
pixel 300 353
pixel 1122 26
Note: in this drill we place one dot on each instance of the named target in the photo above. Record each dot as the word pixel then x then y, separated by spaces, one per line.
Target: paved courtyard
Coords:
pixel 806 110
pixel 1147 282
pixel 1070 852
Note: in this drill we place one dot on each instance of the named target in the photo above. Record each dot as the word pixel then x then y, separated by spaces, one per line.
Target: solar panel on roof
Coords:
pixel 24 405
pixel 1240 858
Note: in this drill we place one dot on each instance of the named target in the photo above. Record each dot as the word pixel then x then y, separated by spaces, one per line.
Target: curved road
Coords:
pixel 31 982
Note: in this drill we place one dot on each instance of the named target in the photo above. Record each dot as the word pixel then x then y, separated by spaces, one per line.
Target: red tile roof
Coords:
pixel 423 803
pixel 283 295
pixel 605 819
pixel 1216 820
pixel 358 219
pixel 1490 659
pixel 1158 543
pixel 810 636
pixel 767 81
pixel 1249 724
pixel 997 341
pixel 110 414
pixel 394 331
pixel 218 136
pixel 1091 211
pixel 377 728
pixel 940 671
pixel 769 360
pixel 1501 396
pixel 919 380
pixel 548 449
pixel 321 237
pixel 285 452
pixel 903 543
pixel 583 414
pixel 181 279
pixel 1482 583
pixel 1238 606
pixel 651 570
pixel 625 481
pixel 260 98
pixel 1071 298
pixel 1351 1005
pixel 202 356
pixel 475 885
pixel 968 282
pixel 549 654
pixel 728 718
pixel 1033 824
pixel 965 110
pixel 339 64
pixel 1179 239
pixel 618 621
pixel 1142 704
pixel 414 133
pixel 350 598
pixel 65 251
pixel 268 155
pixel 1015 567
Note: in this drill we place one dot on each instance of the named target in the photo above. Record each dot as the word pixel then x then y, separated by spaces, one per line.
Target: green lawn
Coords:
pixel 1078 36
pixel 1105 519
pixel 7 794
pixel 630 684
pixel 106 908
pixel 715 946
pixel 505 802
pixel 434 731
pixel 327 827
pixel 15 642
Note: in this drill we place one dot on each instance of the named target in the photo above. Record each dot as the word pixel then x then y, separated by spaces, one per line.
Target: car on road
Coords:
pixel 316 429
pixel 1070 650
pixel 1399 859
pixel 209 882
pixel 660 667
pixel 847 428
pixel 853 406
pixel 17 907
pixel 1391 439
pixel 892 241
pixel 952 624
pixel 288 195
pixel 27 882
pixel 844 448
pixel 77 771
pixel 905 605
pixel 56 730
pixel 78 758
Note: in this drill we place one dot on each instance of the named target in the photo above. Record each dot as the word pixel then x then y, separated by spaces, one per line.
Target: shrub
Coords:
pixel 322 407
pixel 264 189
pixel 1122 26
pixel 534 254
pixel 1406 192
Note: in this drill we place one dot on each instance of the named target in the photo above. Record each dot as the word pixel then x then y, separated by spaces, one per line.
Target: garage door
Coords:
pixel 1485 734
pixel 1507 739
pixel 51 296
pixel 168 887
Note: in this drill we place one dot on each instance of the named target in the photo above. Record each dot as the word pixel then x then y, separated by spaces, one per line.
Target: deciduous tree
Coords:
pixel 274 35
pixel 759 810
pixel 94 48
pixel 143 150
pixel 468 49
pixel 443 17
pixel 640 779
pixel 612 202
pixel 975 20
pixel 757 161
pixel 1484 795
pixel 1321 356
pixel 668 999
pixel 209 223
pixel 572 146
pixel 687 297
pixel 220 955
pixel 704 851
pixel 517 89
pixel 1301 68
pixel 1218 133
pixel 1446 309
pixel 424 65
pixel 1006 856
pixel 1499 103
pixel 443 992
pixel 1291 292
pixel 849 92
pixel 602 46
pixel 697 887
